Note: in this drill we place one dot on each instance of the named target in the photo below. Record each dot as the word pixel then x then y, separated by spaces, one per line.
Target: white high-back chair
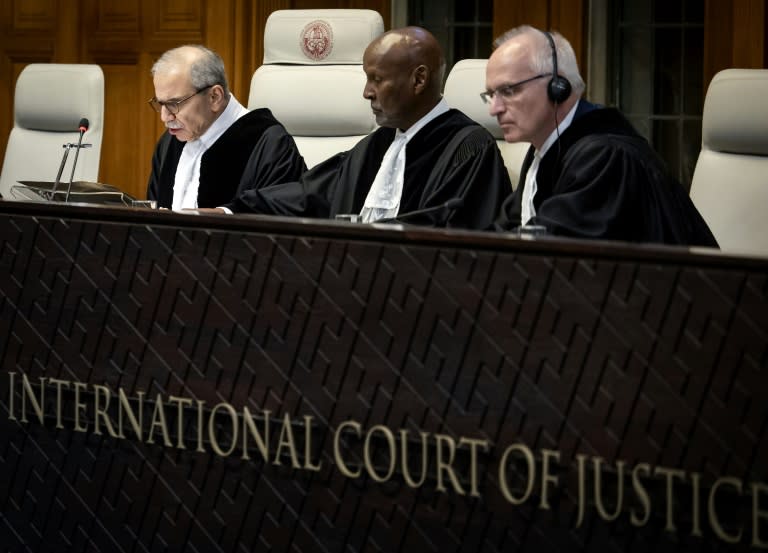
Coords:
pixel 730 183
pixel 462 91
pixel 312 78
pixel 49 102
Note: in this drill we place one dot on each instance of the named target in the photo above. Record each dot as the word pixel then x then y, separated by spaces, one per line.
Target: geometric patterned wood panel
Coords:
pixel 525 375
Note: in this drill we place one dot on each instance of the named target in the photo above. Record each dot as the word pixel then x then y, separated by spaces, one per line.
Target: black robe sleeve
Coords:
pixel 617 188
pixel 472 169
pixel 602 180
pixel 164 160
pixel 275 159
pixel 451 157
pixel 254 152
pixel 337 185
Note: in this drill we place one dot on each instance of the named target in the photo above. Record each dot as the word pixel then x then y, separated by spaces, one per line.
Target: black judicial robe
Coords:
pixel 451 157
pixel 603 180
pixel 255 151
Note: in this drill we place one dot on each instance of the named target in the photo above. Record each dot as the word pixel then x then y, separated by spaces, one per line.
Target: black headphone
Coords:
pixel 559 88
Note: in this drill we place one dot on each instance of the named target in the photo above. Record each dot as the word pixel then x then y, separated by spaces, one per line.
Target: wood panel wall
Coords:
pixel 568 17
pixel 126 36
pixel 734 35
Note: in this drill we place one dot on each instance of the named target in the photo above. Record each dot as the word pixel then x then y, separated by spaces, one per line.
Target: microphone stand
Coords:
pixel 66 147
pixel 74 163
pixel 451 205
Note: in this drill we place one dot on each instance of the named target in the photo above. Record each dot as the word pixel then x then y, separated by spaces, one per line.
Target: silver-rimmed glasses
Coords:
pixel 507 91
pixel 173 106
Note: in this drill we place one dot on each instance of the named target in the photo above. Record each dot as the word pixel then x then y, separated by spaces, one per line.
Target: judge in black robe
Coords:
pixel 597 177
pixel 601 179
pixel 453 170
pixel 254 152
pixel 451 157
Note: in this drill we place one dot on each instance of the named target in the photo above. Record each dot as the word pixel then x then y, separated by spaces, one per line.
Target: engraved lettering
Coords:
pixel 28 394
pixel 200 426
pixel 424 456
pixel 598 482
pixel 180 402
pixel 391 453
pixel 758 515
pixel 213 436
pixel 581 462
pixel 445 463
pixel 261 439
pixel 124 407
pixel 714 521
pixel 308 426
pixel 527 455
pixel 642 496
pixel 11 384
pixel 546 477
pixel 288 442
pixel 58 383
pixel 343 467
pixel 159 422
pixel 100 412
pixel 473 468
pixel 695 500
pixel 80 407
pixel 670 475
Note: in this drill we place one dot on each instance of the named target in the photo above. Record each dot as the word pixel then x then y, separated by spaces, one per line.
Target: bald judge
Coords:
pixel 424 156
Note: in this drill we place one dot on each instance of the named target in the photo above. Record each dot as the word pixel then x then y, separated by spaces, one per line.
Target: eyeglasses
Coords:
pixel 173 106
pixel 506 91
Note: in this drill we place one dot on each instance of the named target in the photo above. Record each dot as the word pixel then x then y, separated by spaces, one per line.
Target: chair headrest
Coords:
pixel 55 96
pixel 735 116
pixel 462 91
pixel 328 102
pixel 320 37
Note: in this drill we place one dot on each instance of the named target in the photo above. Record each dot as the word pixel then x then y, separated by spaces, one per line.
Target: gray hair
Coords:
pixel 206 68
pixel 541 58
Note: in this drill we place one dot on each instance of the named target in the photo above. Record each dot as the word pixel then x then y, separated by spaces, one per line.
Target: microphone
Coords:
pixel 82 127
pixel 450 206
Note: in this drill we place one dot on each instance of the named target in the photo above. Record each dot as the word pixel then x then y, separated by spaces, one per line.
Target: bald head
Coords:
pixel 404 70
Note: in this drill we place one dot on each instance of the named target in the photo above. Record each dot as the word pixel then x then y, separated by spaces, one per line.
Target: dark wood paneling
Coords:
pixel 381 6
pixel 565 16
pixel 734 35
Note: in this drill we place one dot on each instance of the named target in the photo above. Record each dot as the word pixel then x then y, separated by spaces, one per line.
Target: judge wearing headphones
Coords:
pixel 588 173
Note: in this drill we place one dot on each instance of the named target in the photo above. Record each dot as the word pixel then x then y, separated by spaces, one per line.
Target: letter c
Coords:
pixel 343 468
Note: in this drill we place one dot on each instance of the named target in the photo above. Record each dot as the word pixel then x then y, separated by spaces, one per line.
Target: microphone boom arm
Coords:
pixel 450 206
pixel 83 126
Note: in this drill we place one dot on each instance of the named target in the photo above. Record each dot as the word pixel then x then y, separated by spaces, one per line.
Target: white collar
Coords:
pixel 231 113
pixel 564 124
pixel 440 108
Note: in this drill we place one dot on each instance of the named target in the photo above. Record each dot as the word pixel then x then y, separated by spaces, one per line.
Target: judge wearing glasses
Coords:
pixel 588 173
pixel 214 148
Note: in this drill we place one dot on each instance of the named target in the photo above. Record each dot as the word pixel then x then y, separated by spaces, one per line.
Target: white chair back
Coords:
pixel 49 102
pixel 462 91
pixel 730 183
pixel 312 78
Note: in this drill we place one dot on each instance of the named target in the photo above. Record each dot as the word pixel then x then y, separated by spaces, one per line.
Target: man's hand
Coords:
pixel 209 210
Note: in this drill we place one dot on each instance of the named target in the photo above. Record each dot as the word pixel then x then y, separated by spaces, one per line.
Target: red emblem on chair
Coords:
pixel 317 40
